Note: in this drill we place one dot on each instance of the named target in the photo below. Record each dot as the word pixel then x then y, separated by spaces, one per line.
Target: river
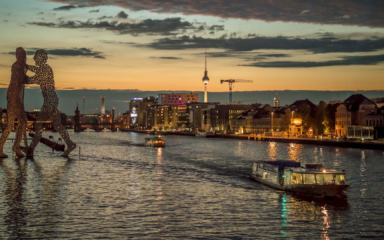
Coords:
pixel 195 188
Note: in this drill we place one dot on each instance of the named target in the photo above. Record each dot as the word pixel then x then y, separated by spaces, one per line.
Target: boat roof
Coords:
pixel 153 138
pixel 297 167
pixel 282 163
pixel 310 171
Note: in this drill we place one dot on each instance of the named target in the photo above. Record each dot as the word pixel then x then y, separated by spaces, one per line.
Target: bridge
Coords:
pixel 97 127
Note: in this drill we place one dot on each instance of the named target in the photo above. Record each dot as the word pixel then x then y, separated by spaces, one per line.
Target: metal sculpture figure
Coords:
pixel 15 103
pixel 44 78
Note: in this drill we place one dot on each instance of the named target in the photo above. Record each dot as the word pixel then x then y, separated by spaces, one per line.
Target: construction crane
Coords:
pixel 231 82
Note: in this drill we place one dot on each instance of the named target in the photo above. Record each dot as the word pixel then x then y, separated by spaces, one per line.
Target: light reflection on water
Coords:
pixel 193 188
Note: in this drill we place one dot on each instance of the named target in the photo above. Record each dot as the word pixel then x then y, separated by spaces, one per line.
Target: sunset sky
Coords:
pixel 159 45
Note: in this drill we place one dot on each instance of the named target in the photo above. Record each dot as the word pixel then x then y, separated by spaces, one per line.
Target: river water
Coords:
pixel 195 188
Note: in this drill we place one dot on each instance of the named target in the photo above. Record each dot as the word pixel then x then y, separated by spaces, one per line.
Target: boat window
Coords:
pixel 324 178
pixel 340 179
pixel 265 175
pixel 309 179
pixel 295 178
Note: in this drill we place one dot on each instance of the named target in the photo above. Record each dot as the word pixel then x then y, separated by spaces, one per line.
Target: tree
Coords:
pixel 305 113
pixel 320 117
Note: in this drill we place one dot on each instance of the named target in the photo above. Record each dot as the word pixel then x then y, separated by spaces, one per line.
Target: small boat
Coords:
pixel 155 141
pixel 205 134
pixel 307 179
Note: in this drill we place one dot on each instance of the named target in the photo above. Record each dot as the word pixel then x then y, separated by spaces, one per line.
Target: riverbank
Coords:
pixel 162 133
pixel 367 144
pixel 321 142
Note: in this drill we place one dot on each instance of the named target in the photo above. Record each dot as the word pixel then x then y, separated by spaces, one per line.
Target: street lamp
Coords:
pixel 272 121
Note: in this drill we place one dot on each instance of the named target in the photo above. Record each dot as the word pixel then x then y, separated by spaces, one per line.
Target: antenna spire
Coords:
pixel 205 58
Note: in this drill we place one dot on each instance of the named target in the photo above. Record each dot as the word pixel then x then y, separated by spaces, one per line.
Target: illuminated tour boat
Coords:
pixel 156 141
pixel 308 179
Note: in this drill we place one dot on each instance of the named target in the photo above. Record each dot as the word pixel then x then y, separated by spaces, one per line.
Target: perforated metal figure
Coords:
pixel 44 78
pixel 15 105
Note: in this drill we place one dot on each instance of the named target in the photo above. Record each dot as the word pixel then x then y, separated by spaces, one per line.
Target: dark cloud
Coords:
pixel 3 65
pixel 167 58
pixel 73 52
pixel 68 7
pixel 216 28
pixel 322 45
pixel 3 84
pixel 346 12
pixel 122 14
pixel 94 11
pixel 274 55
pixel 104 17
pixel 345 61
pixel 166 26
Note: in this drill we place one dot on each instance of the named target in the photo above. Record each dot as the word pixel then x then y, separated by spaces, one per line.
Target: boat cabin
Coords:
pixel 313 174
pixel 156 141
pixel 291 173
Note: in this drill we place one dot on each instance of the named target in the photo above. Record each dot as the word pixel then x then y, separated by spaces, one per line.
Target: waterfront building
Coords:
pixel 195 114
pixel 161 117
pixel 177 98
pixel 137 107
pixel 375 119
pixel 353 112
pixel 241 123
pixel 265 119
pixel 378 101
pixel 125 120
pixel 303 117
pixel 217 117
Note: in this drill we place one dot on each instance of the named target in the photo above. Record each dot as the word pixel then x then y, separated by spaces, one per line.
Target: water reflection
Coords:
pixel 16 213
pixel 362 170
pixel 326 222
pixel 272 146
pixel 294 151
pixel 19 194
pixel 284 214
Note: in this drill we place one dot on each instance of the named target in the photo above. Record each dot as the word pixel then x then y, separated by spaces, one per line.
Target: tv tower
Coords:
pixel 205 78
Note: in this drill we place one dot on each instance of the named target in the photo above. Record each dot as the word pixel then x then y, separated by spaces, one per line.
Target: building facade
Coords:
pixel 177 98
pixel 353 112
pixel 217 117
pixel 161 117
pixel 195 114
pixel 137 108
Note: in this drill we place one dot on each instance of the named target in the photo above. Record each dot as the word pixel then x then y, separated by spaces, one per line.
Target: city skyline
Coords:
pixel 149 45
